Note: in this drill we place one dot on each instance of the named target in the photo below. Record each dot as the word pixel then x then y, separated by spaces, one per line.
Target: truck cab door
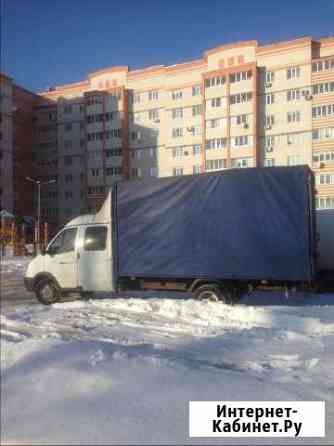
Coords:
pixel 61 260
pixel 95 262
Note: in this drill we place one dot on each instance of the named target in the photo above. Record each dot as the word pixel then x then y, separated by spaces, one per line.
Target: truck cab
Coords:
pixel 77 259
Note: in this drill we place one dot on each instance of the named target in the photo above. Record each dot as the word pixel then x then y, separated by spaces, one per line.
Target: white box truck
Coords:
pixel 216 235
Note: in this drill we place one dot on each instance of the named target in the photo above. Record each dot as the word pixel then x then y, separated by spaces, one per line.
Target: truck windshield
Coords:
pixel 64 242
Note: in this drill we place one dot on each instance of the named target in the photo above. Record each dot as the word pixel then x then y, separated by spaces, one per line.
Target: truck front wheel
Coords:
pixel 47 292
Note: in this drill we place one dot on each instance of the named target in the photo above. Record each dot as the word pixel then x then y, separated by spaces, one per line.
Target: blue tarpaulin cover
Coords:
pixel 237 224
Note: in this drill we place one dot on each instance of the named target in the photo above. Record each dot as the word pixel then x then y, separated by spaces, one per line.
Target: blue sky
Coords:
pixel 46 43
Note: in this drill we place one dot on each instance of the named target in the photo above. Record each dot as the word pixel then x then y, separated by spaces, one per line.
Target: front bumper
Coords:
pixel 29 284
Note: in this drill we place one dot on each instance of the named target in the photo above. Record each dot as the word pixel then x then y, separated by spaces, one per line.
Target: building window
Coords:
pixel 195 130
pixel 177 152
pixel 325 178
pixel 324 203
pixel 216 123
pixel 137 117
pixel 95 172
pixel 67 144
pixel 96 190
pixel 68 178
pixel 114 171
pixel 177 132
pixel 177 171
pixel 324 157
pixel 241 119
pixel 113 152
pixel 153 95
pixel 216 143
pixel 323 134
pixel 153 115
pixel 240 98
pixel 269 77
pixel 136 135
pixel 239 163
pixel 269 121
pixel 177 94
pixel 240 76
pixel 323 88
pixel 137 153
pixel 327 64
pixel 214 81
pixel 196 149
pixel 197 109
pixel 153 172
pixel 136 98
pixel 136 172
pixel 243 140
pixel 68 194
pixel 293 116
pixel 270 98
pixel 322 111
pixel 68 160
pixel 269 162
pixel 292 73
pixel 216 102
pixel 293 160
pixel 177 113
pixel 269 140
pixel 67 109
pixel 196 169
pixel 196 90
pixel 68 127
pixel 293 95
pixel 291 138
pixel 215 164
pixel 151 152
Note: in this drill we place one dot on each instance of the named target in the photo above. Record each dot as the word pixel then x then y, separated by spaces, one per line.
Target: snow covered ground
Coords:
pixel 124 369
pixel 10 265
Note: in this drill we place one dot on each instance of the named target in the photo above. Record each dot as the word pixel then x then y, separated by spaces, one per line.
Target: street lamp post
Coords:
pixel 39 184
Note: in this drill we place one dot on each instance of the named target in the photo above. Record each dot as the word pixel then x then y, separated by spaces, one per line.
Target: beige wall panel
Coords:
pixel 115 79
pixel 327 51
pixel 215 92
pixel 291 57
pixel 247 52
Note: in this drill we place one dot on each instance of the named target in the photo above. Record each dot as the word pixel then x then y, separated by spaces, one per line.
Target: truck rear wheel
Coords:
pixel 216 293
pixel 47 292
pixel 209 292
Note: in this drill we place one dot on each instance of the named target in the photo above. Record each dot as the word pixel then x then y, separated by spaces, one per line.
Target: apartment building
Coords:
pixel 240 105
pixel 16 139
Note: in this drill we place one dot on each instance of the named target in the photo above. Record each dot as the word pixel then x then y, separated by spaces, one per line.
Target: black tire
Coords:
pixel 209 292
pixel 86 295
pixel 215 293
pixel 47 292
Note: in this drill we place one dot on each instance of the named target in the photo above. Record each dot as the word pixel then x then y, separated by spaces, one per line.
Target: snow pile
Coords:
pixel 123 370
pixel 14 265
